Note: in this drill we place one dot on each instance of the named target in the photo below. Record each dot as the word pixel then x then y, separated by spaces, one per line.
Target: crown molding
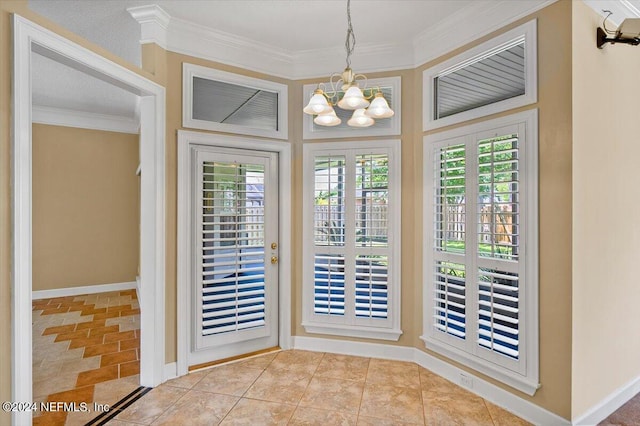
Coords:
pixel 84 120
pixel 621 9
pixel 154 22
pixel 479 20
pixel 370 58
pixel 468 24
pixel 633 8
pixel 197 40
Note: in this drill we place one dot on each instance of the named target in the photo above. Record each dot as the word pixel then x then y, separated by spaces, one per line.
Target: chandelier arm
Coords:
pixel 372 92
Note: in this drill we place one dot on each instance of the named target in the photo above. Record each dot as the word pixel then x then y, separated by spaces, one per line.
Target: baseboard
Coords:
pixel 482 388
pixel 492 393
pixel 608 405
pixel 76 291
pixel 170 371
pixel 346 347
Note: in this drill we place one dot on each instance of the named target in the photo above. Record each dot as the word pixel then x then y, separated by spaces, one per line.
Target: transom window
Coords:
pixel 351 239
pixel 497 75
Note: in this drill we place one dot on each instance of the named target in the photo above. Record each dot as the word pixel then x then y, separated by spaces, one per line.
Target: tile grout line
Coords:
pixel 364 385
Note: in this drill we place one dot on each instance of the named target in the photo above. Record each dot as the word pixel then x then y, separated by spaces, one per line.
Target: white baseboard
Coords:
pixel 170 371
pixel 76 291
pixel 608 405
pixel 521 407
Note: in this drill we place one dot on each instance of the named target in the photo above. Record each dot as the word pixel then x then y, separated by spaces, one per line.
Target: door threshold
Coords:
pixel 202 366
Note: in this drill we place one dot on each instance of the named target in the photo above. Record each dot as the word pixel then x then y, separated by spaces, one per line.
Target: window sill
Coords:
pixel 352 331
pixel 528 385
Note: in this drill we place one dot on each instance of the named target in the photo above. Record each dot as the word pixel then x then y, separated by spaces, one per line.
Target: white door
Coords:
pixel 234 232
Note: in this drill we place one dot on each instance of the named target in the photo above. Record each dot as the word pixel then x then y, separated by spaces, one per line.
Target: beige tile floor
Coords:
pixel 310 388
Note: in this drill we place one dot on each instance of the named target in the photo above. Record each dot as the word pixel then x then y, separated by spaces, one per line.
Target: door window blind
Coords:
pixel 232 247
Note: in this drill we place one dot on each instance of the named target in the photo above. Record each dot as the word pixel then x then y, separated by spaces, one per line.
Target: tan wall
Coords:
pixel 85 207
pixel 554 104
pixel 606 235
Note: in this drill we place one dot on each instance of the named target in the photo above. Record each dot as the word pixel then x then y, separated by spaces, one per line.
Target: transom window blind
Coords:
pixel 232 247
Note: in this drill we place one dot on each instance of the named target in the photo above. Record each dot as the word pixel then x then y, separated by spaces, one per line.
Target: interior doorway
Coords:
pixel 30 38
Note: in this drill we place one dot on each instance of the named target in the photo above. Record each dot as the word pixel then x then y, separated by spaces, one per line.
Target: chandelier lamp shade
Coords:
pixel 368 104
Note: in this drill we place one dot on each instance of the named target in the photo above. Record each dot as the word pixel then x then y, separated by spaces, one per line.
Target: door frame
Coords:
pixel 27 36
pixel 187 139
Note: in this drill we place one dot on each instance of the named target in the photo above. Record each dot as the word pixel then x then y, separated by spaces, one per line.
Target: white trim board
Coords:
pixel 84 120
pixel 498 396
pixel 609 404
pixel 467 25
pixel 29 37
pixel 87 289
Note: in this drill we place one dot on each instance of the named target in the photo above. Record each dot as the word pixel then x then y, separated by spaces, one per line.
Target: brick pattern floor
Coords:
pixel 85 349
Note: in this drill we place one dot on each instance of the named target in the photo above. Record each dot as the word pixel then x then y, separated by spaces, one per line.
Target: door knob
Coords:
pixel 274 260
pixel 274 246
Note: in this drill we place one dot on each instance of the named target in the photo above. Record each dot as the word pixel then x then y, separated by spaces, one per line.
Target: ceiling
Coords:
pixel 293 28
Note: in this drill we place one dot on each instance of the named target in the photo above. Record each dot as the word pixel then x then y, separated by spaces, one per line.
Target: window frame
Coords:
pixel 311 131
pixel 528 31
pixel 350 326
pixel 523 374
pixel 189 71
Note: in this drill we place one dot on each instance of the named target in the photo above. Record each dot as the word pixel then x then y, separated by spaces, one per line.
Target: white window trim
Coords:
pixel 528 31
pixel 311 322
pixel 189 71
pixel 309 131
pixel 528 381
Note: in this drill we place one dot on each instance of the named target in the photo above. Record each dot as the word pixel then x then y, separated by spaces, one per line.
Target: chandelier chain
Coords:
pixel 350 42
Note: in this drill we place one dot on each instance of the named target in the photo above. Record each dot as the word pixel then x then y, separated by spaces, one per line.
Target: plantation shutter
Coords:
pixel 329 235
pixel 351 241
pixel 370 234
pixel 498 320
pixel 232 247
pixel 476 258
pixel 449 270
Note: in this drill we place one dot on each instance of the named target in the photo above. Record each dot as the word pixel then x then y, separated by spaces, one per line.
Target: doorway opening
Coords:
pixel 30 38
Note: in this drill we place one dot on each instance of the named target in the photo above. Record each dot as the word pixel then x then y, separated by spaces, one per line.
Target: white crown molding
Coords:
pixel 154 22
pixel 203 42
pixel 479 20
pixel 620 9
pixel 370 58
pixel 633 8
pixel 84 120
pixel 466 25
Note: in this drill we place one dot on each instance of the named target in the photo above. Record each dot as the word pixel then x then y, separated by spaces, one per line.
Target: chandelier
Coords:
pixel 350 96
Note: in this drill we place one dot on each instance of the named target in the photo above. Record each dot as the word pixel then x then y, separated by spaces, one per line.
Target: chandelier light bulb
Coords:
pixel 327 119
pixel 318 104
pixel 360 119
pixel 379 107
pixel 353 99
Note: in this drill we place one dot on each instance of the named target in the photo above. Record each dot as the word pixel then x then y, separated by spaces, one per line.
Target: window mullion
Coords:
pixel 350 237
pixel 471 245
